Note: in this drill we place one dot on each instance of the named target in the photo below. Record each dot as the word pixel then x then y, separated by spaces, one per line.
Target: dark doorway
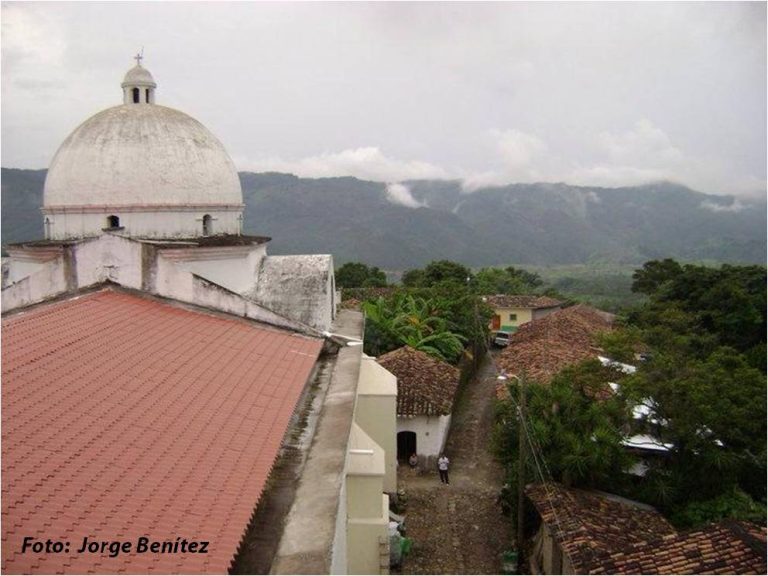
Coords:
pixel 113 222
pixel 406 445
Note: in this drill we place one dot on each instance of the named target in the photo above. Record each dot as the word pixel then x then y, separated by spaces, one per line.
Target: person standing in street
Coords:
pixel 442 468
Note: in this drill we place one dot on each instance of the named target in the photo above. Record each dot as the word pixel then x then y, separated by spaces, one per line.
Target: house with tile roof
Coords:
pixel 175 400
pixel 590 532
pixel 540 349
pixel 426 388
pixel 510 311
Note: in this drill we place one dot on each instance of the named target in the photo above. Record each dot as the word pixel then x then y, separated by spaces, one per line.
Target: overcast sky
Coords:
pixel 585 93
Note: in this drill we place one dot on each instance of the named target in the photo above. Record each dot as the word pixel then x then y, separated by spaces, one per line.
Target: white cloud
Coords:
pixel 645 145
pixel 367 163
pixel 401 194
pixel 735 206
pixel 518 157
pixel 519 150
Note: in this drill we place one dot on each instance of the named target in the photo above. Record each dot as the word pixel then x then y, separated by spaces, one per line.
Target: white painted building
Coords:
pixel 426 388
pixel 144 196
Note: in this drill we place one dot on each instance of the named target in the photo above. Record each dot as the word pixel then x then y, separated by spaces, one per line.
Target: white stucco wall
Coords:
pixel 376 413
pixel 431 432
pixel 177 223
pixel 109 258
pixel 218 277
pixel 367 505
pixel 45 283
pixel 234 267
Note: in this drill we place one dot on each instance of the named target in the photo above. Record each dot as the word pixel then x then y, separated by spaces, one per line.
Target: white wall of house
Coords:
pixel 376 413
pixel 431 432
pixel 367 506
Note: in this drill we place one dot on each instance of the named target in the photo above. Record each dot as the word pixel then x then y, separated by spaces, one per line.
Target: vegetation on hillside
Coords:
pixel 525 224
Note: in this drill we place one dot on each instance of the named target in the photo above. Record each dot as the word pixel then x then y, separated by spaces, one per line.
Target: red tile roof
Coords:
pixel 425 385
pixel 520 301
pixel 125 417
pixel 604 534
pixel 586 523
pixel 541 348
pixel 727 547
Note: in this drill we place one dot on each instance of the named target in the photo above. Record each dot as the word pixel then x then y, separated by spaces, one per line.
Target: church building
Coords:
pixel 174 399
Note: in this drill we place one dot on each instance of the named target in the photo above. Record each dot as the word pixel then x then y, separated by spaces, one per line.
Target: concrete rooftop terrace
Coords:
pixel 125 417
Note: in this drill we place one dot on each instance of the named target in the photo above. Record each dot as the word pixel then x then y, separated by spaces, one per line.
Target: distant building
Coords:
pixel 512 311
pixel 426 388
pixel 164 378
pixel 589 532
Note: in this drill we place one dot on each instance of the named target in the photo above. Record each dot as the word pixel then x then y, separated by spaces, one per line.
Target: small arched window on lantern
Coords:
pixel 207 225
pixel 113 221
pixel 48 228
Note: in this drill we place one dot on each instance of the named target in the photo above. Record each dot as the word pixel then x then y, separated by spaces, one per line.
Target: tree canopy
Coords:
pixel 358 275
pixel 698 344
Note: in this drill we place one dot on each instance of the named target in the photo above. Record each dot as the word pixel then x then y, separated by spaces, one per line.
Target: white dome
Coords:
pixel 141 154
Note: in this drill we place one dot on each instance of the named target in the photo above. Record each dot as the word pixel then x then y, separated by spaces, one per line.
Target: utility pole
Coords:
pixel 521 471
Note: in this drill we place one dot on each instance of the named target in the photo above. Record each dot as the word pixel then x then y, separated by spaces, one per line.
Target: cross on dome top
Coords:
pixel 138 85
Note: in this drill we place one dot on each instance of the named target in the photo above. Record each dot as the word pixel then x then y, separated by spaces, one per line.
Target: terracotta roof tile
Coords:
pixel 727 547
pixel 605 534
pixel 587 523
pixel 425 385
pixel 543 347
pixel 124 416
pixel 520 301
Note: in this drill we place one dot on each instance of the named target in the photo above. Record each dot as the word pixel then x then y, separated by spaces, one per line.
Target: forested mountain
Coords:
pixel 520 223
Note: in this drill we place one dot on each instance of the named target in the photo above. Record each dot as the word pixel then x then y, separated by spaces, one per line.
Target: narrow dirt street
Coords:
pixel 458 528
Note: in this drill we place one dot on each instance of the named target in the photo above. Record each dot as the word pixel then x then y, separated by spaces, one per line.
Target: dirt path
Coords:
pixel 458 529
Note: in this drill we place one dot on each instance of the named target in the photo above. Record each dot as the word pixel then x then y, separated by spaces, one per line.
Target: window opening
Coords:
pixel 136 95
pixel 207 225
pixel 113 222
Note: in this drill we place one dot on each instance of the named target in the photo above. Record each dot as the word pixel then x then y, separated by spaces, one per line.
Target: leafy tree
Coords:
pixel 578 436
pixel 727 304
pixel 358 275
pixel 654 275
pixel 405 319
pixel 506 281
pixel 712 413
pixel 734 503
pixel 704 382
pixel 413 278
pixel 440 271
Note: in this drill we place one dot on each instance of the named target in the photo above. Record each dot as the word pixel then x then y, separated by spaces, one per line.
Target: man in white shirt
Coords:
pixel 442 468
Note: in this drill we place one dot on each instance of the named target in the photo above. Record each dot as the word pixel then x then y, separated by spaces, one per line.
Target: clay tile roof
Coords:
pixel 586 524
pixel 425 385
pixel 605 534
pixel 728 547
pixel 520 301
pixel 125 417
pixel 541 348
